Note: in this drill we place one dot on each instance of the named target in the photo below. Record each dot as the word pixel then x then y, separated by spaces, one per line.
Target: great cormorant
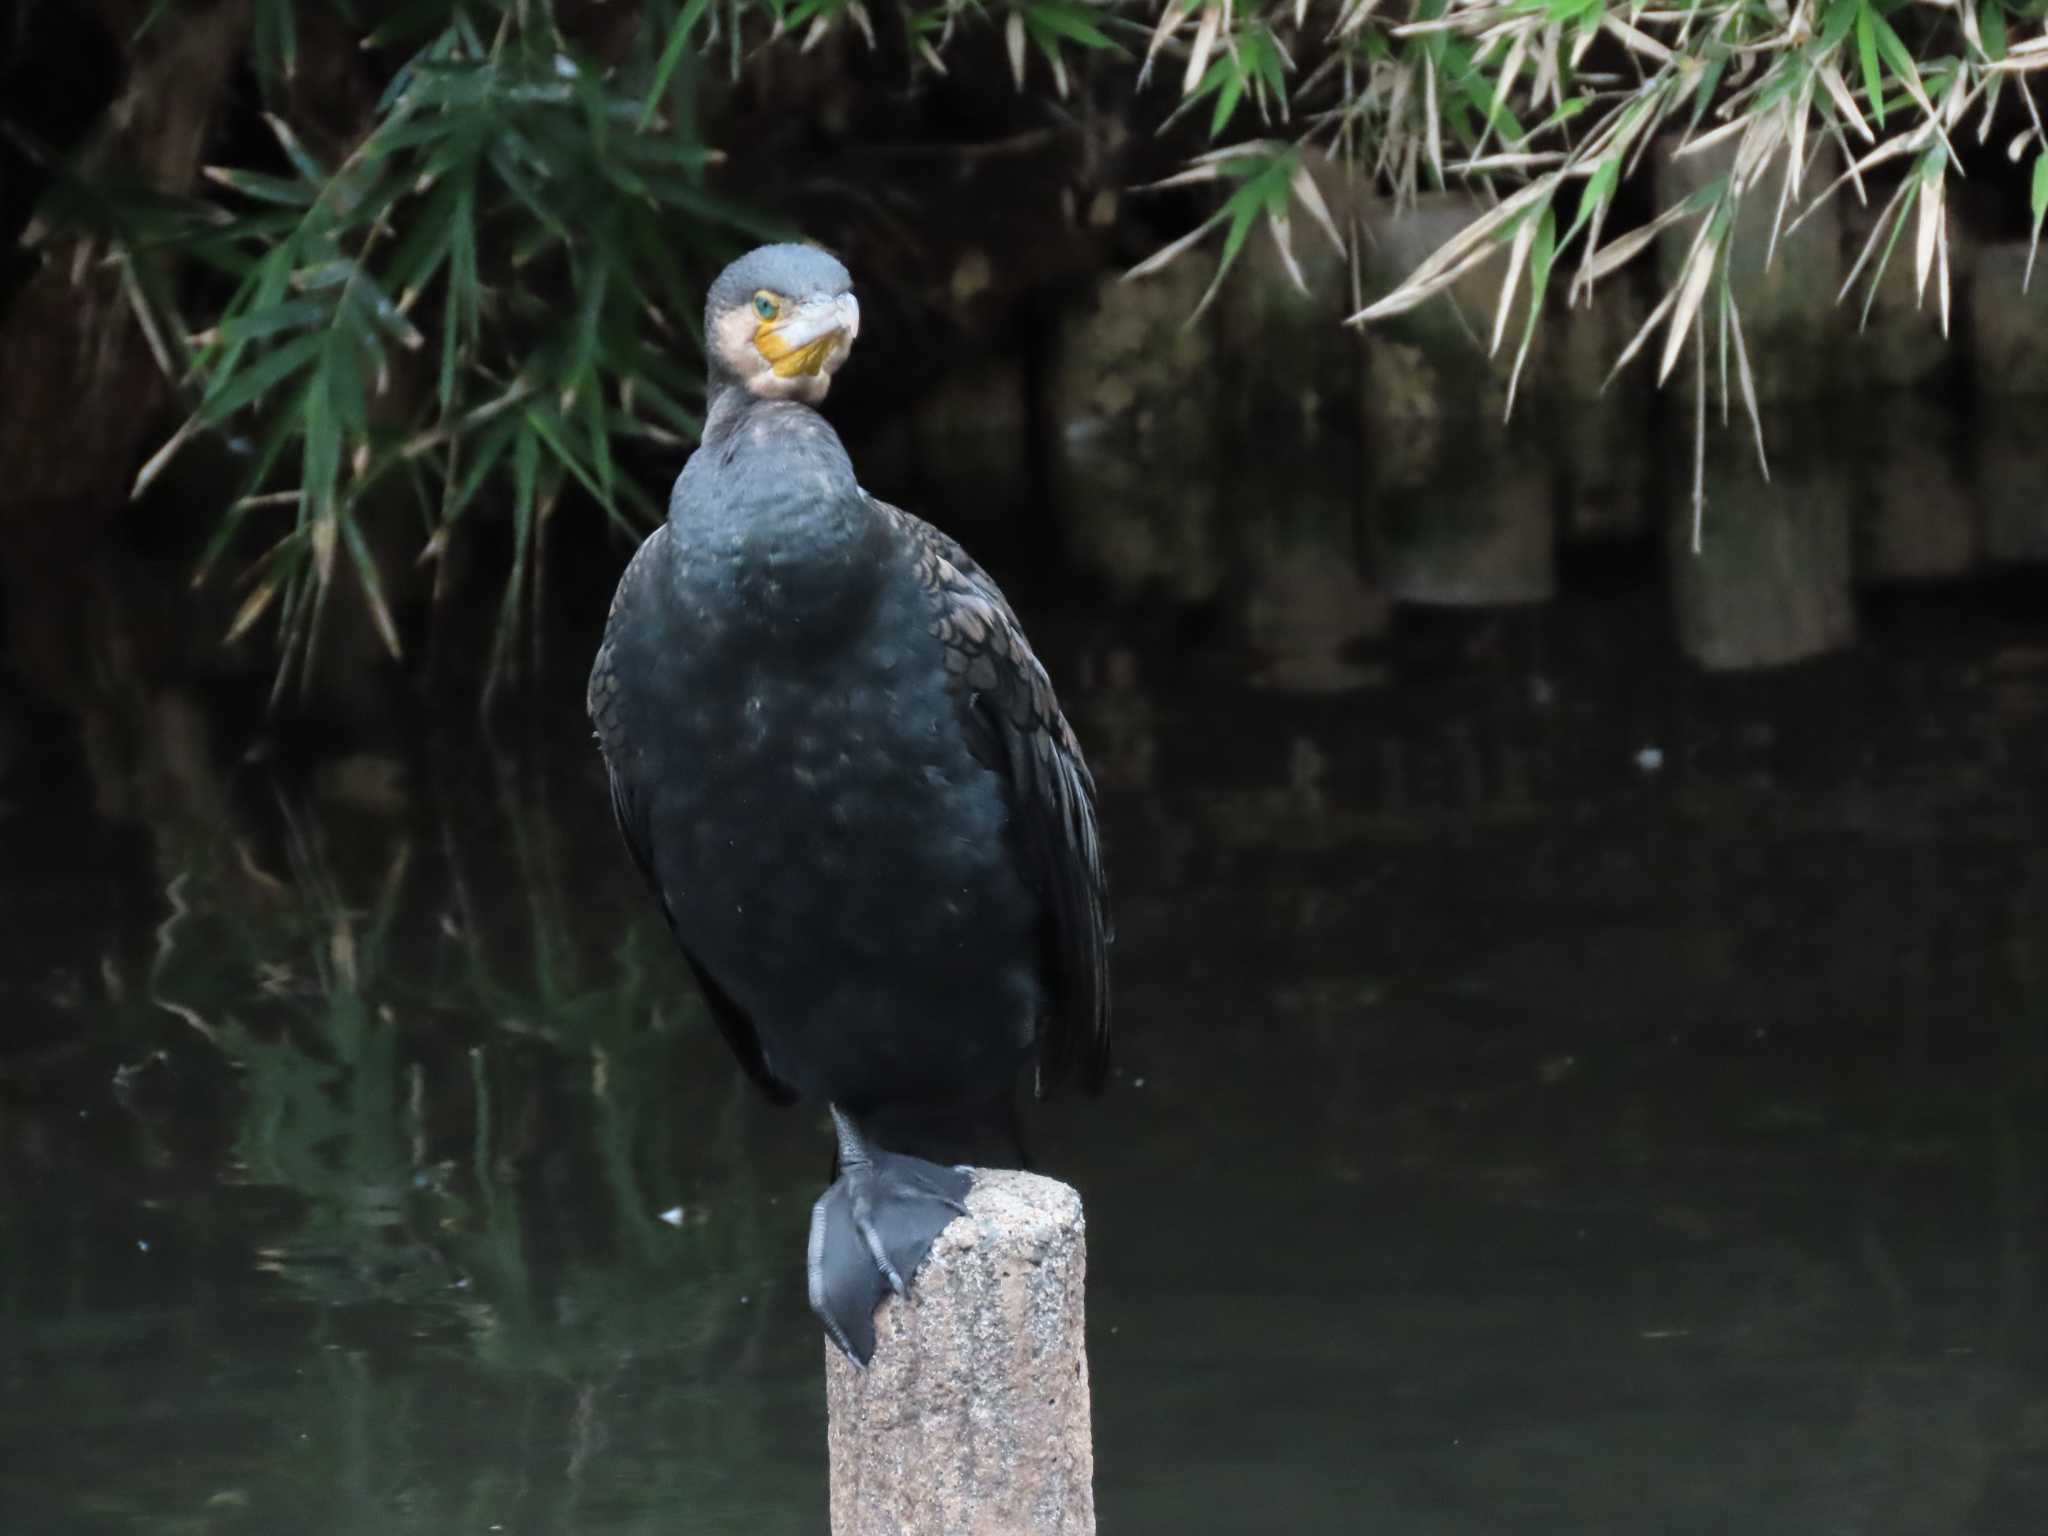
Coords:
pixel 840 766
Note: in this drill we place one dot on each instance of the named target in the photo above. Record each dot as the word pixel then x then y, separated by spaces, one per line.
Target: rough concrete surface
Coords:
pixel 1794 333
pixel 1773 581
pixel 2007 320
pixel 973 1418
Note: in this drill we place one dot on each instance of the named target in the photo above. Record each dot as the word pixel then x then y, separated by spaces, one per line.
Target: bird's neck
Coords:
pixel 769 509
pixel 726 406
pixel 728 403
pixel 769 462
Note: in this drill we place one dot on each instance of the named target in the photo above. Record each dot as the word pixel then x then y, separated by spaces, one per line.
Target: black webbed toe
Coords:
pixel 870 1233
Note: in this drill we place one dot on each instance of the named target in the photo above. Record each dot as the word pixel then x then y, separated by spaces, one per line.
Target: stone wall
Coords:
pixel 1896 453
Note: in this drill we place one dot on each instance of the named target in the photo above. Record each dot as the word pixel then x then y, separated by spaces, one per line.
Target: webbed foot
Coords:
pixel 871 1231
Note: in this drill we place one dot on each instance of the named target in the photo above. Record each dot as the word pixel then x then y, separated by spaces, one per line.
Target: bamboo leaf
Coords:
pixel 373 586
pixel 287 36
pixel 548 429
pixel 1244 213
pixel 294 151
pixel 1205 42
pixel 1866 48
pixel 252 325
pixel 1618 253
pixel 1542 254
pixel 1266 59
pixel 1049 46
pixel 1418 290
pixel 366 298
pixel 1643 334
pixel 266 189
pixel 686 422
pixel 160 460
pixel 1518 255
pixel 1599 189
pixel 1838 92
pixel 1692 288
pixel 1991 26
pixel 600 444
pixel 1710 81
pixel 1901 60
pixel 525 473
pixel 672 55
pixel 342 376
pixel 253 607
pixel 2038 200
pixel 1841 16
pixel 1281 228
pixel 1635 40
pixel 1311 198
pixel 1931 184
pixel 1172 249
pixel 1227 97
pixel 1746 379
pixel 229 392
pixel 1894 220
pixel 1013 45
pixel 486 452
pixel 320 468
pixel 400 134
pixel 1072 22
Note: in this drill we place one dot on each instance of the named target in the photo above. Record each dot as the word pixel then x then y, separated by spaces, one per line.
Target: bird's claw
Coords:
pixel 869 1234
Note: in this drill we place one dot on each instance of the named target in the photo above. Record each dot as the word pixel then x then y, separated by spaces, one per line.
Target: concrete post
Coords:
pixel 972 1419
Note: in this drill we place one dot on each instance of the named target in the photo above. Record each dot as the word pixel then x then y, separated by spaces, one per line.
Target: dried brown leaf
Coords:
pixel 1691 289
pixel 253 608
pixel 1205 44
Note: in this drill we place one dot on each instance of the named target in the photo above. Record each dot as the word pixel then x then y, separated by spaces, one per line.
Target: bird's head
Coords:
pixel 779 321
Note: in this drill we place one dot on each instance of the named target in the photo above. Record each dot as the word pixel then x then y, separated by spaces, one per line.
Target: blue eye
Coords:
pixel 764 306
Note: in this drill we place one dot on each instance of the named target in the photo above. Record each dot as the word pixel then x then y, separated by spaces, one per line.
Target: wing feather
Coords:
pixel 1007 702
pixel 608 714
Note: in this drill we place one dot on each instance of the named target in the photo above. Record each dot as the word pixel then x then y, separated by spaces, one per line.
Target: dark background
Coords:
pixel 1581 1036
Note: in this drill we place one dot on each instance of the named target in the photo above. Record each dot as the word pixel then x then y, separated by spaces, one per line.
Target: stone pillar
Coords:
pixel 1790 322
pixel 1916 515
pixel 1134 400
pixel 1901 345
pixel 1479 534
pixel 2007 323
pixel 973 1418
pixel 2012 477
pixel 1771 583
pixel 1602 437
pixel 1433 363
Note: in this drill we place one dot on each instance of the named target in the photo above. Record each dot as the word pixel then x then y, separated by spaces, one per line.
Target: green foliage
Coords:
pixel 449 1091
pixel 488 290
pixel 1542 104
pixel 378 1041
pixel 1270 178
pixel 394 319
pixel 2038 200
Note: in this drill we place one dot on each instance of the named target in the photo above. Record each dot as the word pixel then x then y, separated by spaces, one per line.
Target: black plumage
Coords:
pixel 837 761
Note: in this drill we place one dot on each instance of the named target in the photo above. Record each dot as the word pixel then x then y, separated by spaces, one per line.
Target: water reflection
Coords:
pixel 1559 1089
pixel 487 1244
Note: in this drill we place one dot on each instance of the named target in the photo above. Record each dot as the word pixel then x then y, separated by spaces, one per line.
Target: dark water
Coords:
pixel 1573 1078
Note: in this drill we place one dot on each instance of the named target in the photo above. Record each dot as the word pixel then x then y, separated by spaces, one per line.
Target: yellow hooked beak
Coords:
pixel 810 338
